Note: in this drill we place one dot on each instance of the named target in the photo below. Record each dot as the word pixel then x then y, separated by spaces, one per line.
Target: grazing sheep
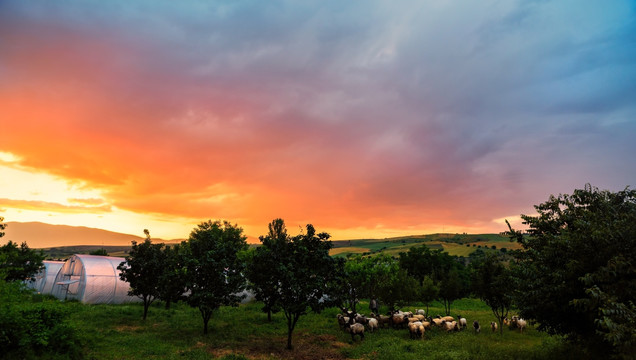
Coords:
pixel 506 322
pixel 416 329
pixel 342 320
pixel 383 320
pixel 517 322
pixel 373 324
pixel 448 318
pixel 360 319
pixel 462 322
pixel 427 324
pixel 420 317
pixel 437 322
pixel 399 320
pixel 355 329
pixel 450 326
pixel 493 326
pixel 476 326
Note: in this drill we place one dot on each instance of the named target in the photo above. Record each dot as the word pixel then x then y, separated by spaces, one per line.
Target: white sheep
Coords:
pixel 462 322
pixel 373 324
pixel 342 320
pixel 416 329
pixel 420 312
pixel 355 329
pixel 493 326
pixel 518 322
pixel 450 326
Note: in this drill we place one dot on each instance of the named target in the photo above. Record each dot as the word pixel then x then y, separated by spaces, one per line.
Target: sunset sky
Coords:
pixel 364 118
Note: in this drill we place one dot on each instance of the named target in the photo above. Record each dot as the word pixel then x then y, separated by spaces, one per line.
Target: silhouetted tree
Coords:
pixel 304 270
pixel 172 284
pixel 214 271
pixel 18 263
pixel 142 270
pixel 493 283
pixel 262 269
pixel 577 268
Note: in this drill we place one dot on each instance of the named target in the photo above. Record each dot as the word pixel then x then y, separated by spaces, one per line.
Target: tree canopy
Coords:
pixel 214 270
pixel 19 263
pixel 142 270
pixel 303 269
pixel 577 268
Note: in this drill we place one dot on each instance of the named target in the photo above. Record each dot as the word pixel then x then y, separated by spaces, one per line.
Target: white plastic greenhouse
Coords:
pixel 45 279
pixel 92 279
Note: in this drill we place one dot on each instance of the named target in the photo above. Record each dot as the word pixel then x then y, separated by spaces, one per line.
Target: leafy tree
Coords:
pixel 214 272
pixel 2 226
pixel 418 262
pixel 577 268
pixel 361 278
pixel 398 288
pixel 262 267
pixel 19 263
pixel 305 271
pixel 428 292
pixel 452 287
pixel 493 283
pixel 142 270
pixel 172 285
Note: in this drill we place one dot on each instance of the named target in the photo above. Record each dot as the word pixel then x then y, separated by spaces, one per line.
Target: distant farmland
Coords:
pixel 454 244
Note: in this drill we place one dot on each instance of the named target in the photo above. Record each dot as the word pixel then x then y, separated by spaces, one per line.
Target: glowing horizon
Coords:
pixel 364 120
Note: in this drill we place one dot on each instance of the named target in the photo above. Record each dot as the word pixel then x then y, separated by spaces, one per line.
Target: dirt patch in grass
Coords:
pixel 306 347
pixel 127 328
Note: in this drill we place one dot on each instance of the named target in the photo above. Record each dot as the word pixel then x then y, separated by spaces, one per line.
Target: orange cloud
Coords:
pixel 53 207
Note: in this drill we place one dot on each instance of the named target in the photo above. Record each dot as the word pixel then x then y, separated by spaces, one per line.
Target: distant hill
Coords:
pixel 454 244
pixel 40 235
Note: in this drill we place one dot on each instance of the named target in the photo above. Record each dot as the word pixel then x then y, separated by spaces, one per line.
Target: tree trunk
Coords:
pixel 206 318
pixel 291 324
pixel 167 304
pixel 269 315
pixel 146 305
pixel 290 329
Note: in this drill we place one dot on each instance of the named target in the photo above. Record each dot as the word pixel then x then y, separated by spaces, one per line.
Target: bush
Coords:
pixel 31 329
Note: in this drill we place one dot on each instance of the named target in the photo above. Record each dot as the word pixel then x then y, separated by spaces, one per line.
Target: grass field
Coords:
pixel 118 332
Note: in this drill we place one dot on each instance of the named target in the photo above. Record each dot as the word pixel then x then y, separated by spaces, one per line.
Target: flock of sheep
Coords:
pixel 417 323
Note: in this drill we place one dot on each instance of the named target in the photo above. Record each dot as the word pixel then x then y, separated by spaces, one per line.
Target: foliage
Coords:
pixel 171 287
pixel 214 272
pixel 577 271
pixel 19 263
pixel 492 281
pixel 262 266
pixel 31 329
pixel 448 279
pixel 418 262
pixel 398 289
pixel 142 270
pixel 2 226
pixel 364 277
pixel 304 271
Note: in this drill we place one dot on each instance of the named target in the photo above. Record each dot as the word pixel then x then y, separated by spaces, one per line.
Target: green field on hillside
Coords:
pixel 454 244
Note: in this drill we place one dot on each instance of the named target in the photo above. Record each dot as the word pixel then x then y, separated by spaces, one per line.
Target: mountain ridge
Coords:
pixel 40 235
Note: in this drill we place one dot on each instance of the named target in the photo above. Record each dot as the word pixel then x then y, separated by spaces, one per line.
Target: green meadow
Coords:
pixel 243 332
